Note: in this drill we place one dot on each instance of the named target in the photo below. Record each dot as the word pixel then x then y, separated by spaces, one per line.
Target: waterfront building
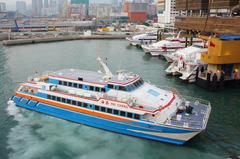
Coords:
pixel 166 12
pixel 3 7
pixel 37 6
pixel 21 7
pixel 207 16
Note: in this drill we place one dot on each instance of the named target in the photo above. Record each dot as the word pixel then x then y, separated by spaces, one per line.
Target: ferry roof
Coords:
pixel 95 77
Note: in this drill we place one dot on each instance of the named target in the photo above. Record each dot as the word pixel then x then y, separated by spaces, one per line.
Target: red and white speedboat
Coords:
pixel 169 45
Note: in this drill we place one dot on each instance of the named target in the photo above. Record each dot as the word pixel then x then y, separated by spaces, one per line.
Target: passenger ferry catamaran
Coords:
pixel 121 103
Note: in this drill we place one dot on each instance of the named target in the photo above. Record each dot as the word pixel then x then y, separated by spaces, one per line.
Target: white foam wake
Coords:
pixel 40 136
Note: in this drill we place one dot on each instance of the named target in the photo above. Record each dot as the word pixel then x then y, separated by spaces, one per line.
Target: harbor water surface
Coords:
pixel 30 135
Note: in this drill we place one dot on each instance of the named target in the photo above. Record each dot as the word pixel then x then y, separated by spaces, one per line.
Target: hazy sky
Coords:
pixel 11 4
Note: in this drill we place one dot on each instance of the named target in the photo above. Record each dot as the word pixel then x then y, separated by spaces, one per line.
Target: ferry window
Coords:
pixel 132 87
pixel 85 105
pixel 96 107
pixel 103 109
pixel 79 85
pixel 97 89
pixel 90 106
pixel 129 115
pixel 70 84
pixel 74 102
pixel 49 96
pixel 122 113
pixel 116 87
pixel 136 116
pixel 68 101
pixel 109 110
pixel 135 84
pixel 60 82
pixel 110 86
pixel 79 103
pixel 63 100
pixel 65 83
pixel 53 98
pixel 91 88
pixel 75 85
pixel 122 88
pixel 115 112
pixel 103 90
pixel 80 79
pixel 128 88
pixel 58 99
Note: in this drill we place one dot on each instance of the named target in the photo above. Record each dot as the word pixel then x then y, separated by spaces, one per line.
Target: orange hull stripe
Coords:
pixel 64 106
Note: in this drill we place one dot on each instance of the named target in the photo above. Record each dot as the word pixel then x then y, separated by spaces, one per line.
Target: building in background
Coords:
pixel 62 6
pixel 167 12
pixel 3 7
pixel 152 11
pixel 21 7
pixel 82 3
pixel 53 7
pixel 208 16
pixel 77 11
pixel 100 10
pixel 137 11
pixel 46 4
pixel 37 6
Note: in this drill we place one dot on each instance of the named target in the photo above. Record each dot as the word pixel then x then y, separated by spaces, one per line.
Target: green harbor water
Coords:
pixel 26 134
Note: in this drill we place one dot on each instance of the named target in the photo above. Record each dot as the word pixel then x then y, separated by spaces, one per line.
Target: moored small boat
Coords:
pixel 142 39
pixel 186 62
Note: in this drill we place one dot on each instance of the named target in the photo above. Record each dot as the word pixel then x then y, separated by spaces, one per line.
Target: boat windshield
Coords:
pixel 129 87
pixel 135 85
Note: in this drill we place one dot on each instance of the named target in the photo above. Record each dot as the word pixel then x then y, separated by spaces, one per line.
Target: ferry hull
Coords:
pixel 147 131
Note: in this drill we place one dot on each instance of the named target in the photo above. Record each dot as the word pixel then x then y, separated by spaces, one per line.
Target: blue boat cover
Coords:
pixel 229 37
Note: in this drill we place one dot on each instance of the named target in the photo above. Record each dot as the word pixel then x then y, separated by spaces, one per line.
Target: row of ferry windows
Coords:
pixel 95 107
pixel 76 85
pixel 128 87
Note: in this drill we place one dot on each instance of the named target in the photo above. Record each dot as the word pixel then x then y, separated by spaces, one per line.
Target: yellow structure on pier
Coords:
pixel 223 57
pixel 222 52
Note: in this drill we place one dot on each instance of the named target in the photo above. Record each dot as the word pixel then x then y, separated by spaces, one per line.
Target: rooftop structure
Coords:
pixel 207 16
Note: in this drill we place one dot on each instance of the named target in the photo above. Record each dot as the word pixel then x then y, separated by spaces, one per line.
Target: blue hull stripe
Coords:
pixel 114 126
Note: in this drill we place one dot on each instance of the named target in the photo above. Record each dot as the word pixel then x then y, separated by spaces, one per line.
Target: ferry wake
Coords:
pixel 123 103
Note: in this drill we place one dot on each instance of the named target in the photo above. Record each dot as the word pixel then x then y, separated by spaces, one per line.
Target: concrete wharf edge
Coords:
pixel 62 38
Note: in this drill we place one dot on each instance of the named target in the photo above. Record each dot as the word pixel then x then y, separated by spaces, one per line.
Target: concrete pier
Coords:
pixel 60 38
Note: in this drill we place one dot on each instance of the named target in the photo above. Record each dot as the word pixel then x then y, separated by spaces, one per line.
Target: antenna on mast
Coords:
pixel 106 70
